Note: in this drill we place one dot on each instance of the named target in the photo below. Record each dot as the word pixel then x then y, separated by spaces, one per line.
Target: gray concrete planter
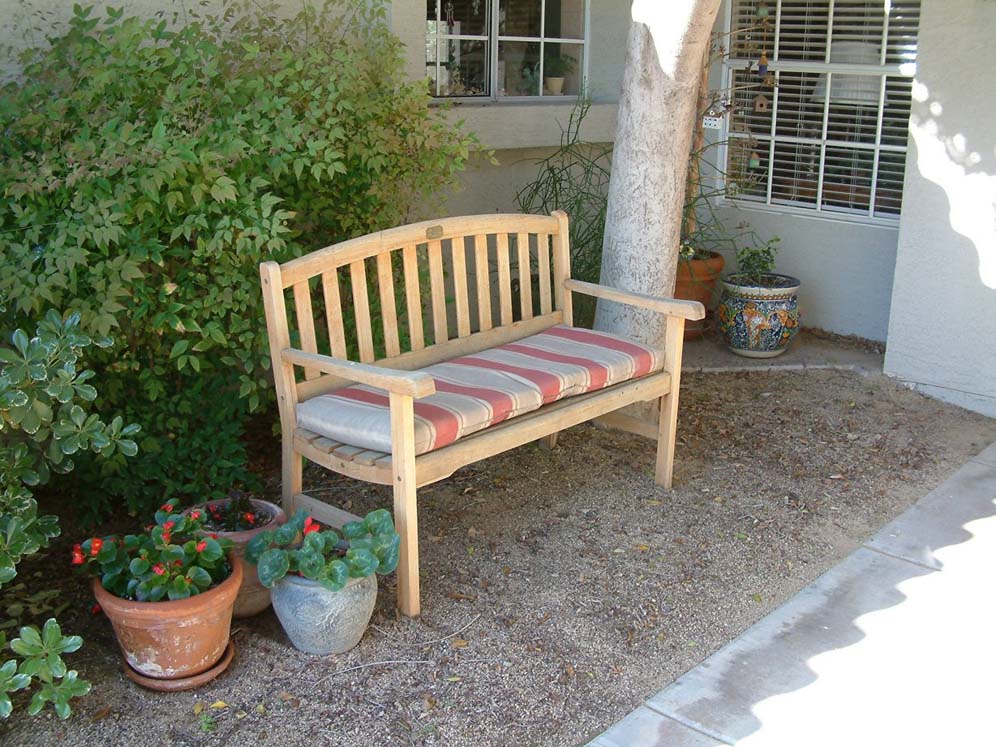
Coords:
pixel 319 621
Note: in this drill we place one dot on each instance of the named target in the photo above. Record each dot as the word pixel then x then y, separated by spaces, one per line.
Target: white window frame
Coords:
pixel 493 39
pixel 883 70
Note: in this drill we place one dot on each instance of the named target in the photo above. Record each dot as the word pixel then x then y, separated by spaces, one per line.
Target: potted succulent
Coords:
pixel 695 280
pixel 238 518
pixel 169 594
pixel 555 68
pixel 759 309
pixel 323 581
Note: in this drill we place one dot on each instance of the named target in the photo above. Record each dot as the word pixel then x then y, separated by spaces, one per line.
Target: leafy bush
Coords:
pixel 44 424
pixel 148 170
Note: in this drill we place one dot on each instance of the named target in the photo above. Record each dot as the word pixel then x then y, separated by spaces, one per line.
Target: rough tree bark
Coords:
pixel 657 109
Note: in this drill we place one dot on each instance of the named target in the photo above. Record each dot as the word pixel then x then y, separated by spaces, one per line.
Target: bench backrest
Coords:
pixel 390 285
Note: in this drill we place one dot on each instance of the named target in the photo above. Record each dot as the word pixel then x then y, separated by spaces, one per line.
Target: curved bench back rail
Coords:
pixel 411 296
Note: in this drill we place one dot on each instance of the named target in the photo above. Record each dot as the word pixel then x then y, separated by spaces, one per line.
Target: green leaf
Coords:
pixel 335 576
pixel 272 566
pixel 361 563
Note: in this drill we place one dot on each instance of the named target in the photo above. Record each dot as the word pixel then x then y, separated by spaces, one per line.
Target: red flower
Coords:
pixel 168 526
pixel 177 563
pixel 167 507
pixel 202 545
pixel 195 515
pixel 250 517
pixel 167 537
pixel 96 609
pixel 95 544
pixel 310 525
pixel 213 535
pixel 159 569
pixel 78 558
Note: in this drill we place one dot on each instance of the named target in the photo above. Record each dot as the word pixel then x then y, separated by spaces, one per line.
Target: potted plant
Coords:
pixel 322 581
pixel 759 309
pixel 695 280
pixel 555 68
pixel 238 518
pixel 169 594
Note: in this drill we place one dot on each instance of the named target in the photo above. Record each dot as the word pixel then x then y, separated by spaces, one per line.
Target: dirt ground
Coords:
pixel 560 588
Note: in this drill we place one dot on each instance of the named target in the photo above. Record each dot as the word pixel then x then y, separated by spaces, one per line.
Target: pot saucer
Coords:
pixel 183 683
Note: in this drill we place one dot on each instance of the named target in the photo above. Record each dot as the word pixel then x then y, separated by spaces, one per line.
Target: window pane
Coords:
pixel 460 17
pixel 796 173
pixel 562 66
pixel 747 169
pixel 847 175
pixel 463 68
pixel 520 18
pixel 518 68
pixel 889 187
pixel 564 19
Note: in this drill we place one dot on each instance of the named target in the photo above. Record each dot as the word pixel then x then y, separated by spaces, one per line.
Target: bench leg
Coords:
pixel 292 472
pixel 549 442
pixel 668 422
pixel 405 507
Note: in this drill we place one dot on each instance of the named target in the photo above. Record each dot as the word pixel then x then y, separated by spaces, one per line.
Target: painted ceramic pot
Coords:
pixel 176 639
pixel 696 281
pixel 320 621
pixel 758 320
pixel 253 596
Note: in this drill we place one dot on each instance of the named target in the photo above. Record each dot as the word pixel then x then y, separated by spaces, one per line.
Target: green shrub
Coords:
pixel 44 425
pixel 147 170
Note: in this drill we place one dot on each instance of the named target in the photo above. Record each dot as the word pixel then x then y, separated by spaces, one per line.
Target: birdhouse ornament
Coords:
pixel 762 104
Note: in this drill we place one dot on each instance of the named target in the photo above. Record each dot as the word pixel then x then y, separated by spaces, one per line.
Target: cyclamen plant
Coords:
pixel 173 559
pixel 304 547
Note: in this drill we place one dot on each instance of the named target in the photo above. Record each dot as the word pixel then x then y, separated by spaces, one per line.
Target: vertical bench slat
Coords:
pixel 461 300
pixel 413 297
pixel 525 276
pixel 306 323
pixel 440 332
pixel 388 305
pixel 504 279
pixel 333 312
pixel 562 270
pixel 543 267
pixel 482 272
pixel 361 307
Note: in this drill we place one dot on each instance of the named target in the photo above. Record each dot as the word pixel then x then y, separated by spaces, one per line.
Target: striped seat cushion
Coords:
pixel 479 390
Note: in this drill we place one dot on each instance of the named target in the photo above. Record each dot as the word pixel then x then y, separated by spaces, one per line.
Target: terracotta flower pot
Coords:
pixel 696 281
pixel 253 596
pixel 176 639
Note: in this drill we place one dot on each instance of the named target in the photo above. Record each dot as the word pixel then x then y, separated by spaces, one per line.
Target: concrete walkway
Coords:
pixel 896 645
pixel 805 352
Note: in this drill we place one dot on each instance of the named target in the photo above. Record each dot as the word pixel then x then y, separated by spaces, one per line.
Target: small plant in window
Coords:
pixel 555 67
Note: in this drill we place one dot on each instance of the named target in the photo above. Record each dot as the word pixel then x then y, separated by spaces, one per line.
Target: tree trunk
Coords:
pixel 657 109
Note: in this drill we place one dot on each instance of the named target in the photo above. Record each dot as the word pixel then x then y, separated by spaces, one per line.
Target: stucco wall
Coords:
pixel 846 268
pixel 942 334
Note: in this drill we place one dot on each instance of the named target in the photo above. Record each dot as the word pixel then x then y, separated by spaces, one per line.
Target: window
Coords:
pixel 825 128
pixel 505 48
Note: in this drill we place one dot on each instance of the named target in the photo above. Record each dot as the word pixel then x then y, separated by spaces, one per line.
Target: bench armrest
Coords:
pixel 669 306
pixel 413 383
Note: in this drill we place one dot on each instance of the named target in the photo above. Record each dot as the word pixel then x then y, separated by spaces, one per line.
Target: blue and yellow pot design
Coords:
pixel 758 320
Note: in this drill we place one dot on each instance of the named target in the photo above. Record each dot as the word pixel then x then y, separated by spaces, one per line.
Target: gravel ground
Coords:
pixel 562 587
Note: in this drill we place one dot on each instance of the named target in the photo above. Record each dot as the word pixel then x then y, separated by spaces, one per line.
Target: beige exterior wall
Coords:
pixel 942 335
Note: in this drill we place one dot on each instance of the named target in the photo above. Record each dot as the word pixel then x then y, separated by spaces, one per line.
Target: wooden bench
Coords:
pixel 482 315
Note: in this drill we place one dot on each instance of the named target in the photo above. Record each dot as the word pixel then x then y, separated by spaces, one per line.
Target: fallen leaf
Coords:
pixel 261 709
pixel 219 704
pixel 642 548
pixel 655 503
pixel 241 714
pixel 459 643
pixel 454 679
pixel 462 597
pixel 756 598
pixel 101 714
pixel 198 707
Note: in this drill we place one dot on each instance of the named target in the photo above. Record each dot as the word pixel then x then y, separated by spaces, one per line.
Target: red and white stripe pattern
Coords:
pixel 479 390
